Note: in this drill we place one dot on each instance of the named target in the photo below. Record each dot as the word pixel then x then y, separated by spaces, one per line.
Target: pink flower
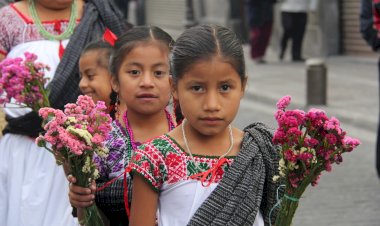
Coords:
pixel 283 102
pixel 305 156
pixel 333 124
pixel 311 142
pixel 331 139
pixel 289 155
pixel 350 143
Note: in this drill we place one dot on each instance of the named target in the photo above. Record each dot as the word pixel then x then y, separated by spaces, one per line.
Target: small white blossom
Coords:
pixel 87 165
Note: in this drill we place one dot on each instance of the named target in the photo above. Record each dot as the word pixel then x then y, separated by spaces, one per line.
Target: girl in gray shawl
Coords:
pixel 206 172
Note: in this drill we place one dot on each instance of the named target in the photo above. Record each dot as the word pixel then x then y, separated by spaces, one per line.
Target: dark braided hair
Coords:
pixel 202 43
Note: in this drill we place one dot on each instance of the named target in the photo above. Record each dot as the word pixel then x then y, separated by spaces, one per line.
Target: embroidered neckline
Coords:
pixel 129 131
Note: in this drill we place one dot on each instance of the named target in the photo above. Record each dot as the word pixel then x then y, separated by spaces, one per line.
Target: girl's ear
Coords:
pixel 173 88
pixel 115 84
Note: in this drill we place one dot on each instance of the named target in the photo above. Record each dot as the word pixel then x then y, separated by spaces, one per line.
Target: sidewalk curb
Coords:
pixel 351 119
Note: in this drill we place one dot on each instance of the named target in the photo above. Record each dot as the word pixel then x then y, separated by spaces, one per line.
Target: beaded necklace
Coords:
pixel 130 131
pixel 70 27
pixel 184 137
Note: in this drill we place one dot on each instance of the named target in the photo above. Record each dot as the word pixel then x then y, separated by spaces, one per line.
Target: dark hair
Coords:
pixel 103 60
pixel 133 37
pixel 202 43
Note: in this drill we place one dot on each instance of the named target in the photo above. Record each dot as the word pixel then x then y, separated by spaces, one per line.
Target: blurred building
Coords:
pixel 332 30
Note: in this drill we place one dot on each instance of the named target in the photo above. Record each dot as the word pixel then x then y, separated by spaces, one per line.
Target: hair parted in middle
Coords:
pixel 204 42
pixel 133 37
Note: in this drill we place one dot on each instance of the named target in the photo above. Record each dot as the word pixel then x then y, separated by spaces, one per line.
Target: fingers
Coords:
pixel 71 179
pixel 81 197
pixel 93 187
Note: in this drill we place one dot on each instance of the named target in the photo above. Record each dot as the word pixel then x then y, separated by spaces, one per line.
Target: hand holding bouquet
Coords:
pixel 310 143
pixel 24 81
pixel 75 135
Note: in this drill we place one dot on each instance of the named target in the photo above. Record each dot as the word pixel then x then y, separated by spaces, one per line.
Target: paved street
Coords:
pixel 349 195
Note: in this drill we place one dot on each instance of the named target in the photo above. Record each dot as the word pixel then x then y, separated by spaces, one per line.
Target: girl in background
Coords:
pixel 140 76
pixel 205 171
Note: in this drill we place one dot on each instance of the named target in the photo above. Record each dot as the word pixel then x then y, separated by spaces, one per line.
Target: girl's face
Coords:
pixel 95 79
pixel 143 79
pixel 209 94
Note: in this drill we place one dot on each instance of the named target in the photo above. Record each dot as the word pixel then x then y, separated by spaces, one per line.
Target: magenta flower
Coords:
pixel 310 143
pixel 23 81
pixel 283 102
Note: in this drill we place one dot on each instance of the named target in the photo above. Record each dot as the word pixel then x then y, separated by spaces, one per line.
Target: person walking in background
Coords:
pixel 294 20
pixel 371 36
pixel 260 19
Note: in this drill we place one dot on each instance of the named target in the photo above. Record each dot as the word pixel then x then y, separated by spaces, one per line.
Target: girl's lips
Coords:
pixel 211 121
pixel 146 96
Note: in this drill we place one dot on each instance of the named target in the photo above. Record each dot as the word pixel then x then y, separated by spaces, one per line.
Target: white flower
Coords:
pixel 276 178
pixel 101 152
pixel 87 165
pixel 81 133
pixel 96 174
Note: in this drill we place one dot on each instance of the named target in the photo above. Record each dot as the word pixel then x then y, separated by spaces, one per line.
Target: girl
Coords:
pixel 206 172
pixel 140 75
pixel 31 185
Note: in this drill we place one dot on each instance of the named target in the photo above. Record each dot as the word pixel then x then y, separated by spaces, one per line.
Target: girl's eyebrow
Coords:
pixel 87 70
pixel 227 81
pixel 141 65
pixel 134 64
pixel 159 64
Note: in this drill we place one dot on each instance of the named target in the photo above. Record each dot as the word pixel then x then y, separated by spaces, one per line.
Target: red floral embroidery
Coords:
pixel 168 163
pixel 57 26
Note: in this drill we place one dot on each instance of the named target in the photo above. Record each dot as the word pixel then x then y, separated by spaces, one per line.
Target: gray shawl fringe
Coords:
pixel 247 186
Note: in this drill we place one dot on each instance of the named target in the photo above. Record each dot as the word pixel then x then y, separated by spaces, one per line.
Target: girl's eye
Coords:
pixel 90 77
pixel 159 73
pixel 197 88
pixel 134 72
pixel 225 87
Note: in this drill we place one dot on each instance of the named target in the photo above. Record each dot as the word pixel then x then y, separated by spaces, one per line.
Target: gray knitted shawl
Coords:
pixel 247 186
pixel 98 15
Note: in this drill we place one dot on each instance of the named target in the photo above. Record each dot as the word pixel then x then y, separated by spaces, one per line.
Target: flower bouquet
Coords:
pixel 309 144
pixel 75 135
pixel 24 82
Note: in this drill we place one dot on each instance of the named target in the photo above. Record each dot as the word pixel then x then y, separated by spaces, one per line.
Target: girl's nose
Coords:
pixel 147 80
pixel 83 83
pixel 212 102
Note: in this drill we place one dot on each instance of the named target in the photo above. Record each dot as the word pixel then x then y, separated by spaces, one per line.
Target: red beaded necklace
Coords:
pixel 130 131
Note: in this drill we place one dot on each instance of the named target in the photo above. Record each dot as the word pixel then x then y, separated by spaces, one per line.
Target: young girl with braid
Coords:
pixel 205 171
pixel 140 69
